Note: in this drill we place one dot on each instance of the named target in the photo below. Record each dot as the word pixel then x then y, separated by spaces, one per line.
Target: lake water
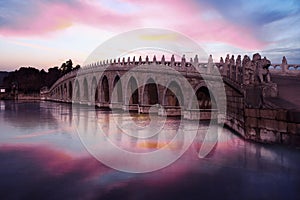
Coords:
pixel 53 151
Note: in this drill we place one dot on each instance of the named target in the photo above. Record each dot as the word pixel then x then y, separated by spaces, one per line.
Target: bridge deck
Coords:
pixel 289 92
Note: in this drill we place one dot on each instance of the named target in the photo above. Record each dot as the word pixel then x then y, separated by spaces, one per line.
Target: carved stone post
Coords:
pixel 183 61
pixel 196 61
pixel 238 64
pixel 284 65
pixel 163 61
pixel 232 68
pixel 128 60
pixel 154 59
pixel 227 66
pixel 210 64
pixel 172 61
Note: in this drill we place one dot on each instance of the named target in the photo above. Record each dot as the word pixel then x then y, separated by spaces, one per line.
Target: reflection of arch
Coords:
pixel 77 91
pixel 150 94
pixel 105 89
pixel 132 90
pixel 173 95
pixel 94 92
pixel 70 90
pixel 118 86
pixel 85 90
pixel 204 99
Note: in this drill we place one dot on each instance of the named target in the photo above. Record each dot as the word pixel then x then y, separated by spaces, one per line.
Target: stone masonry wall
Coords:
pixel 273 126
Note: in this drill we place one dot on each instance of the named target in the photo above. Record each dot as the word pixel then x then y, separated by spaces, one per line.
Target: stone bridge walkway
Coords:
pixel 289 92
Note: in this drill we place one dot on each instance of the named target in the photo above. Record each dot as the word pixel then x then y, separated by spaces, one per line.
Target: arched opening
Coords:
pixel 150 94
pixel 65 92
pixel 85 90
pixel 173 95
pixel 117 89
pixel 61 92
pixel 94 92
pixel 105 89
pixel 204 99
pixel 70 90
pixel 97 94
pixel 132 90
pixel 77 91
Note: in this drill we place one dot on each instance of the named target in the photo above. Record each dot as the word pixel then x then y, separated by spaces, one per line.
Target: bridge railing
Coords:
pixel 285 69
pixel 234 71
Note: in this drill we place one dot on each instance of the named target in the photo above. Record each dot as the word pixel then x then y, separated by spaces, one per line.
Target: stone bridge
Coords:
pixel 250 104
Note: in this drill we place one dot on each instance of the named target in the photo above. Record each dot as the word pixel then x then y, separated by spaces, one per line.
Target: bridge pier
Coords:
pixel 200 114
pixel 116 105
pixel 131 108
pixel 170 111
pixel 103 104
pixel 153 109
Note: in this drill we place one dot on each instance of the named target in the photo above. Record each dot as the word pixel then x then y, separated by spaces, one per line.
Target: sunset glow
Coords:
pixel 46 33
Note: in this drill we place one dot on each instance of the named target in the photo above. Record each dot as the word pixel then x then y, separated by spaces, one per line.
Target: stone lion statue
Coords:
pixel 261 67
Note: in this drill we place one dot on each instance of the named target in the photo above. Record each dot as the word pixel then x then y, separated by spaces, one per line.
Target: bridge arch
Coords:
pixel 85 90
pixel 77 91
pixel 94 93
pixel 173 95
pixel 117 89
pixel 61 92
pixel 65 92
pixel 104 94
pixel 132 95
pixel 150 93
pixel 204 98
pixel 70 90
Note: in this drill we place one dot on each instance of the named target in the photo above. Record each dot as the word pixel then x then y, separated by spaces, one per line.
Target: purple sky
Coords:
pixel 45 33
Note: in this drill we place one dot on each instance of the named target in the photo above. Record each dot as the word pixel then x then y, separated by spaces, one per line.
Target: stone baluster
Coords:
pixel 238 64
pixel 196 60
pixel 284 65
pixel 163 61
pixel 232 68
pixel 210 64
pixel 183 61
pixel 128 60
pixel 247 71
pixel 227 66
pixel 154 59
pixel 172 61
pixel 221 66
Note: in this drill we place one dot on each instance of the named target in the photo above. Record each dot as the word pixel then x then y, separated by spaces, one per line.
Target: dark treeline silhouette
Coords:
pixel 31 80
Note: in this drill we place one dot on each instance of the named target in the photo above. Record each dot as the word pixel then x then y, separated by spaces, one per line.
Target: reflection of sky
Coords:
pixel 46 33
pixel 45 159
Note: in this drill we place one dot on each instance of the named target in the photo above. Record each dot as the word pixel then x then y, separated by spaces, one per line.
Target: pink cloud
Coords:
pixel 51 16
pixel 201 23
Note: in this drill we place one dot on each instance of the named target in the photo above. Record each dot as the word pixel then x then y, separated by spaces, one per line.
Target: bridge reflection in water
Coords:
pixel 42 157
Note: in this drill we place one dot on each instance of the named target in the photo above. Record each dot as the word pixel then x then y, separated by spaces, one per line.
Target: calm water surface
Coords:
pixel 43 157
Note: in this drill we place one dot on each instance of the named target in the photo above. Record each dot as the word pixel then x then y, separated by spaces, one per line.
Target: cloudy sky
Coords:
pixel 45 33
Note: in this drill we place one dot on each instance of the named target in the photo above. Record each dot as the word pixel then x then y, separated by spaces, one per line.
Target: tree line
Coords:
pixel 30 80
